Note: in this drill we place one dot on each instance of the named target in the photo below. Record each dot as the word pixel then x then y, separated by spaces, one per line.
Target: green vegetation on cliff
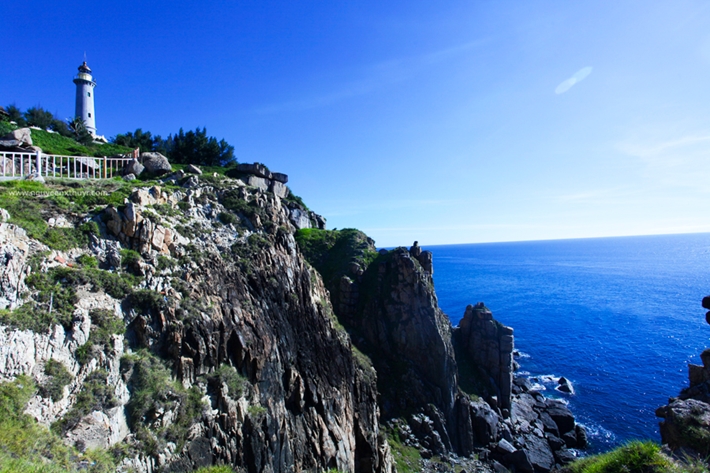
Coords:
pixel 634 457
pixel 332 251
pixel 28 447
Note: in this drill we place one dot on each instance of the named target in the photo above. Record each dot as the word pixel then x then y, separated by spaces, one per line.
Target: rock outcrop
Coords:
pixel 489 345
pixel 686 418
pixel 156 163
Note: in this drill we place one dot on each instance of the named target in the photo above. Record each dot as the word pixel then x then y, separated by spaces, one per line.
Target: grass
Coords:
pixel 31 204
pixel 54 143
pixel 28 447
pixel 634 457
pixel 406 458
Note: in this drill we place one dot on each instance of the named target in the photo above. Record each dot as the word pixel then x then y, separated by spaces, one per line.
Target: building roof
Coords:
pixel 84 68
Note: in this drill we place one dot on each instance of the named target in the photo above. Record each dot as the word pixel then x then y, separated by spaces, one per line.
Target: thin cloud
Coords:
pixel 374 76
pixel 577 77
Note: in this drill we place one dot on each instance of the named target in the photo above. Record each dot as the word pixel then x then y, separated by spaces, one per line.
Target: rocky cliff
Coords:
pixel 211 320
pixel 447 391
pixel 685 427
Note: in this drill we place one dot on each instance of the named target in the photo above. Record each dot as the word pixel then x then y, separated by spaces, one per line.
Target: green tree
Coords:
pixel 81 134
pixel 39 117
pixel 195 147
pixel 15 115
pixel 138 139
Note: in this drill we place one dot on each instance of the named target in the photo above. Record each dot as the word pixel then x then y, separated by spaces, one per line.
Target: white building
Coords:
pixel 85 98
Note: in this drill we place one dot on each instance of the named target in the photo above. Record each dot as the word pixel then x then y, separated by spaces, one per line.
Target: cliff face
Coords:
pixel 190 325
pixel 446 391
pixel 231 352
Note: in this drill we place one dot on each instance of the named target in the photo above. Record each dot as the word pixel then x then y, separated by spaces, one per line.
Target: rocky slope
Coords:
pixel 193 327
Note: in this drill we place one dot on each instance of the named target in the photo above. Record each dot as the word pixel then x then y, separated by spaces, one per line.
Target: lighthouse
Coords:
pixel 85 98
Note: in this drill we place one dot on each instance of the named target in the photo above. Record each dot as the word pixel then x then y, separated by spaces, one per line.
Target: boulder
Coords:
pixel 192 169
pixel 258 182
pixel 565 457
pixel 706 302
pixel 129 177
pixel 521 385
pixel 133 167
pixel 4 215
pixel 520 461
pixel 565 385
pixel 705 356
pixel 156 163
pixel 257 169
pixel 582 439
pixel 279 189
pixel 505 447
pixel 21 137
pixel 686 425
pixel 192 181
pixel 279 177
pixel 299 219
pixel 539 453
pixel 560 414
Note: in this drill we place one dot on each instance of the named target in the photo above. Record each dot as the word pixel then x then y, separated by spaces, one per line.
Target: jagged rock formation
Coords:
pixel 428 371
pixel 686 418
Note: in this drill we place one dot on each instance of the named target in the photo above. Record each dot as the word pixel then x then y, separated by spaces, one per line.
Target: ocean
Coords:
pixel 619 317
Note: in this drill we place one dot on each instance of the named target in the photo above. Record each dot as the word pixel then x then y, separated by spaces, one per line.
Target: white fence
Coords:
pixel 21 165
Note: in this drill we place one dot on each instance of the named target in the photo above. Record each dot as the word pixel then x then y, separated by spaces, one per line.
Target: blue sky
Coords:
pixel 443 122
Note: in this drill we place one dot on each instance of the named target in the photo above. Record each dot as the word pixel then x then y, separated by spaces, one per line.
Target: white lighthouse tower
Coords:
pixel 85 98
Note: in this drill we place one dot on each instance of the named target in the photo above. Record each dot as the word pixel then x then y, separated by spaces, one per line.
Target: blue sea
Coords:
pixel 619 317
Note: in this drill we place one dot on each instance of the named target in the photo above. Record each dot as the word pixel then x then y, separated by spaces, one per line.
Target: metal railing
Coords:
pixel 16 165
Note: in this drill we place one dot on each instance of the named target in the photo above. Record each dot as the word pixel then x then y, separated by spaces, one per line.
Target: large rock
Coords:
pixel 686 425
pixel 156 163
pixel 561 414
pixel 257 169
pixel 22 137
pixel 192 169
pixel 133 167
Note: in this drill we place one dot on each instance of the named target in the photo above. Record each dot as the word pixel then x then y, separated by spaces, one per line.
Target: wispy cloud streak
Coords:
pixel 374 76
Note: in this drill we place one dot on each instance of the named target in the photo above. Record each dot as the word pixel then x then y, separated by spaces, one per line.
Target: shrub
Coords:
pixel 153 391
pixel 236 383
pixel 87 261
pixel 57 378
pixel 95 395
pixel 56 295
pixel 104 324
pixel 227 218
pixel 26 446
